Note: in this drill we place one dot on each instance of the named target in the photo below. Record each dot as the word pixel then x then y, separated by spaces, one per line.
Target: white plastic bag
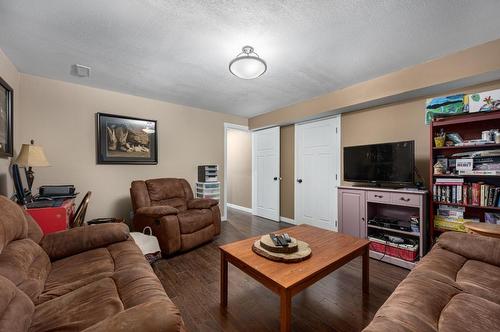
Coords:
pixel 148 243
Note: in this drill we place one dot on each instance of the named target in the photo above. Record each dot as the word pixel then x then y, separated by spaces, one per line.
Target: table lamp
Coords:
pixel 31 155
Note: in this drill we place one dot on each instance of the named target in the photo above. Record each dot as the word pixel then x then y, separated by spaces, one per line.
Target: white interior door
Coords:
pixel 317 172
pixel 266 169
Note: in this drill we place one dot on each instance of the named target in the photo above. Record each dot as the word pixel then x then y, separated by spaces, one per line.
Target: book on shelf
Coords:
pixel 449 180
pixel 474 194
pixel 451 218
pixel 492 218
pixel 480 172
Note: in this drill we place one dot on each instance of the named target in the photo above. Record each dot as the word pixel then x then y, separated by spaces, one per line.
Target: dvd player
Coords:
pixel 391 223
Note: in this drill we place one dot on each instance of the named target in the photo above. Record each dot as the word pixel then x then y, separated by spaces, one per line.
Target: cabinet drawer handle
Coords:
pixel 379 196
pixel 405 199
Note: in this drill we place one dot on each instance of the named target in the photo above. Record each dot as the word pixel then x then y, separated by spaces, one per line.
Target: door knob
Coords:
pixel 275 178
pixel 299 180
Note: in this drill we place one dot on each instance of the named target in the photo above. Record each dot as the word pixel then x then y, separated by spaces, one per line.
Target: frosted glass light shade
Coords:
pixel 247 65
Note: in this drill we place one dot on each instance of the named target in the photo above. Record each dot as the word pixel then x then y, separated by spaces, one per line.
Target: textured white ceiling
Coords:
pixel 178 51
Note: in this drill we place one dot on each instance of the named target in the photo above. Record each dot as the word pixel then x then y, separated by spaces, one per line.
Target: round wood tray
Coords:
pixel 267 243
pixel 303 253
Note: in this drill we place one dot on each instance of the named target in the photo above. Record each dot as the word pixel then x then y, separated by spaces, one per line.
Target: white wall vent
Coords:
pixel 80 70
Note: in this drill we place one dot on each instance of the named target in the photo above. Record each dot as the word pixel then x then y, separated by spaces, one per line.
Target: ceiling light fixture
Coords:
pixel 247 65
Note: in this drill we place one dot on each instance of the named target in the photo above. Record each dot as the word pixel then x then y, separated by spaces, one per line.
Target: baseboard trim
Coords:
pixel 241 208
pixel 288 220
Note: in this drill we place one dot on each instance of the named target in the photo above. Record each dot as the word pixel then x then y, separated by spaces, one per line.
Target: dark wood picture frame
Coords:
pixel 126 140
pixel 7 120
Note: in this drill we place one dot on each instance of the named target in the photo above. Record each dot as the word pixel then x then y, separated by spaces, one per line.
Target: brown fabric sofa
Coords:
pixel 90 278
pixel 179 221
pixel 456 287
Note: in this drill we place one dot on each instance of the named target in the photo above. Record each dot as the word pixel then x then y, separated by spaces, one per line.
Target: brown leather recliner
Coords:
pixel 179 221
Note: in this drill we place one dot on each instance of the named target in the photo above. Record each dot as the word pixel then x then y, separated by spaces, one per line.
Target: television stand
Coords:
pixel 358 205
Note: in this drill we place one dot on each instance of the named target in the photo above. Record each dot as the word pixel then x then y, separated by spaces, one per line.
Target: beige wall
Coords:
pixel 287 171
pixel 396 122
pixel 61 117
pixel 239 168
pixel 461 69
pixel 9 74
pixel 399 122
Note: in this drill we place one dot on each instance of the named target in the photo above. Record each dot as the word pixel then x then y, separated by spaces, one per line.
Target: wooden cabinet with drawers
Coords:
pixel 358 206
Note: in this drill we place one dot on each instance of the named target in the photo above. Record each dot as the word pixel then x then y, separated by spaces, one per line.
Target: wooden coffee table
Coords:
pixel 330 251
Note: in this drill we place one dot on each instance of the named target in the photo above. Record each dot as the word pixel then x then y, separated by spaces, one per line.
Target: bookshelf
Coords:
pixel 468 126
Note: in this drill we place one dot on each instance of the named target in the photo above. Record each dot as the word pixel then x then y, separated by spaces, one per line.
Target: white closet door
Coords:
pixel 317 168
pixel 266 169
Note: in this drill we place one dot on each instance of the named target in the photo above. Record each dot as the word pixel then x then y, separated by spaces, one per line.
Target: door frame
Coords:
pixel 338 167
pixel 228 126
pixel 254 177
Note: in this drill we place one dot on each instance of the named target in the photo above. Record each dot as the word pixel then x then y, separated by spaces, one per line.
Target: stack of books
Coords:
pixel 455 191
pixel 451 218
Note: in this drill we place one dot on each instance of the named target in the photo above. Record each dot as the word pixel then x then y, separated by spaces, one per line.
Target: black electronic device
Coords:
pixel 397 240
pixel 22 195
pixel 57 190
pixel 391 223
pixel 278 240
pixel 287 237
pixel 98 221
pixel 390 163
pixel 44 203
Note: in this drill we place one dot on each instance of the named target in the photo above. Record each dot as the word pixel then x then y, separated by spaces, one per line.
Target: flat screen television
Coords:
pixel 386 163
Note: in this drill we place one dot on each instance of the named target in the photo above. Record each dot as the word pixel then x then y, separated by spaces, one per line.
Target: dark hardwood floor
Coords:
pixel 335 303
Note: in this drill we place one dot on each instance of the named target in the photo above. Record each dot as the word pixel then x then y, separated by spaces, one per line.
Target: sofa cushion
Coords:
pixel 467 312
pixel 80 270
pixel 161 189
pixel 151 316
pixel 16 309
pixel 13 224
pixel 78 309
pixel 480 279
pixel 442 265
pixel 25 264
pixel 76 271
pixel 125 289
pixel 169 191
pixel 191 221
pixel 415 305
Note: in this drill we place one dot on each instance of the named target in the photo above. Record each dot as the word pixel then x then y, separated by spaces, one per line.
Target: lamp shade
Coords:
pixel 247 65
pixel 32 156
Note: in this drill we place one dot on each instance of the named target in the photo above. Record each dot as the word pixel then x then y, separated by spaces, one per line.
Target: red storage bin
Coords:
pixel 54 219
pixel 403 251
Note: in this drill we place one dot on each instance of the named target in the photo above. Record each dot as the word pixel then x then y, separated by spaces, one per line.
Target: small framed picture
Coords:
pixel 6 119
pixel 126 140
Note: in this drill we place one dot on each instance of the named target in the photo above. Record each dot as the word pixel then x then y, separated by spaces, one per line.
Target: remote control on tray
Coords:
pixel 279 240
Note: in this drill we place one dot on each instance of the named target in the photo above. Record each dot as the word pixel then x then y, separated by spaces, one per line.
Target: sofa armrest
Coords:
pixel 156 211
pixel 153 316
pixel 76 240
pixel 201 203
